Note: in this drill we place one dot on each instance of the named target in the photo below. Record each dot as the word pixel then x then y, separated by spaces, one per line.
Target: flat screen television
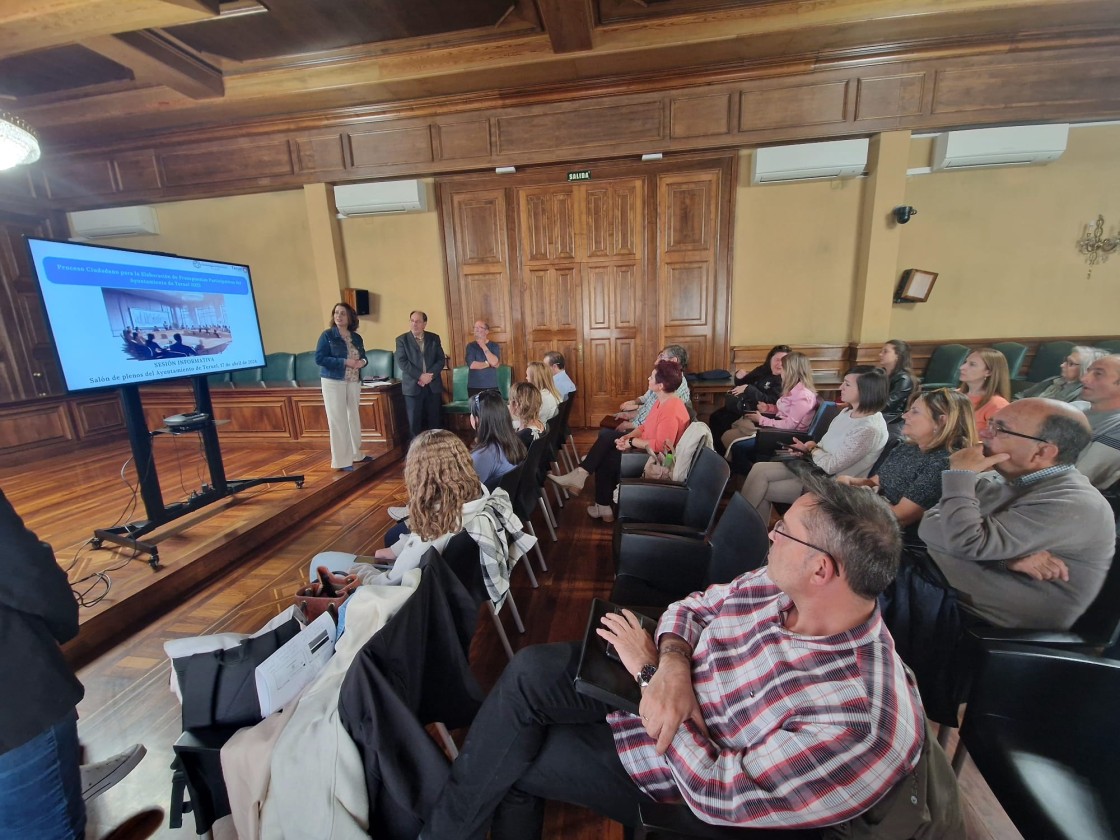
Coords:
pixel 121 317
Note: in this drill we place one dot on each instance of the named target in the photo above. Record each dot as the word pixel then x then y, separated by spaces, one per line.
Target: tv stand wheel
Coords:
pixel 95 542
pixel 153 561
pixel 299 485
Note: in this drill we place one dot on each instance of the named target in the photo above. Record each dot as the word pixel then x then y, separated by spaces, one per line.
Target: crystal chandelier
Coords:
pixel 18 143
pixel 1095 246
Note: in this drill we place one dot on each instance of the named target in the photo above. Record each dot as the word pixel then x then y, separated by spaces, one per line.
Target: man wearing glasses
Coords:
pixel 1028 548
pixel 776 700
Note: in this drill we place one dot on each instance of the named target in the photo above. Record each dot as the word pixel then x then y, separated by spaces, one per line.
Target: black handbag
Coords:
pixel 219 687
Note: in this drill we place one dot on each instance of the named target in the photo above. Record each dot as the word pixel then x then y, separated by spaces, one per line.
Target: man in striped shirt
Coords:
pixel 774 701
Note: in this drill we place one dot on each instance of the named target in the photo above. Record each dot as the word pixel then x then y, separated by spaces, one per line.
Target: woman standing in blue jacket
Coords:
pixel 341 357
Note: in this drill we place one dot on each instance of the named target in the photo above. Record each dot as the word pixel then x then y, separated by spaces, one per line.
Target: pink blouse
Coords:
pixel 795 410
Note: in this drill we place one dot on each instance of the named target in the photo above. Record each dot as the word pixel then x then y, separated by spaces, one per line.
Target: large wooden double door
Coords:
pixel 606 272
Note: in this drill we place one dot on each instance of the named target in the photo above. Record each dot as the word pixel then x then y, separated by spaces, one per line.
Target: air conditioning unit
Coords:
pixel 380 197
pixel 112 221
pixel 809 161
pixel 1010 146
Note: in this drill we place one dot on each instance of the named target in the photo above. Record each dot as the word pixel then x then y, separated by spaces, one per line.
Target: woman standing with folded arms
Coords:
pixel 341 356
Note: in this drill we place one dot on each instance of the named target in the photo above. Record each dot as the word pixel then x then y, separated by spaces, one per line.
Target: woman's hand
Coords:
pixel 741 374
pixel 769 408
pixel 754 417
pixel 385 554
pixel 804 447
pixel 633 645
pixel 353 363
pixel 738 389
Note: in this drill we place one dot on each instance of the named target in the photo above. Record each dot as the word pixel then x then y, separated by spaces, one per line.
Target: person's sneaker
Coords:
pixel 601 512
pixel 398 512
pixel 98 778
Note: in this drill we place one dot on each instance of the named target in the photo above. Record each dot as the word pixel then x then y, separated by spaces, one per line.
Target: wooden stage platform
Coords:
pixel 63 499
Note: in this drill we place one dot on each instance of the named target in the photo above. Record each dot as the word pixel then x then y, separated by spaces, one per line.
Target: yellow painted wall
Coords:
pixel 399 258
pixel 1003 243
pixel 268 232
pixel 795 254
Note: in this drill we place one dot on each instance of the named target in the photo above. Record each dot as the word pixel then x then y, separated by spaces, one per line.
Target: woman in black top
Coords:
pixel 757 390
pixel 894 358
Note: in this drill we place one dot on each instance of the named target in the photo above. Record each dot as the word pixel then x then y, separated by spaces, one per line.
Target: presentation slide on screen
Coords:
pixel 127 317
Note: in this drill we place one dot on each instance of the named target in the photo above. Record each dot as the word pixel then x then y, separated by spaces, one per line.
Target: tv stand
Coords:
pixel 158 513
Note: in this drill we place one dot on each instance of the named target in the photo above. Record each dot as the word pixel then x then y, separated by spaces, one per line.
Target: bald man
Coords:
pixel 1100 387
pixel 1031 547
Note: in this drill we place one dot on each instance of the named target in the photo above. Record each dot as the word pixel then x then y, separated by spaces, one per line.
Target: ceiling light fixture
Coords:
pixel 1095 246
pixel 18 143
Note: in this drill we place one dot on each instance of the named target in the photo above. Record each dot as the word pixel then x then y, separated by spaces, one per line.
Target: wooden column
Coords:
pixel 877 262
pixel 326 245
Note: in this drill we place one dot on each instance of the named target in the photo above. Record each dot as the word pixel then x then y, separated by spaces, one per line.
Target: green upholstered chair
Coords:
pixel 460 402
pixel 252 376
pixel 1047 362
pixel 218 379
pixel 944 368
pixel 1014 352
pixel 380 364
pixel 505 376
pixel 279 367
pixel 1112 345
pixel 307 372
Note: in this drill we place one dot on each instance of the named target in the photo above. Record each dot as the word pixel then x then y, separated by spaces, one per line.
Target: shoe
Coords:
pixel 398 512
pixel 572 481
pixel 98 778
pixel 364 460
pixel 346 469
pixel 601 512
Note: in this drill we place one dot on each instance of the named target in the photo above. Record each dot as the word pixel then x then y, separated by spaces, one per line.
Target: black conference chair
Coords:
pixel 769 441
pixel 524 492
pixel 1042 729
pixel 656 568
pixel 691 505
pixel 461 556
pixel 675 822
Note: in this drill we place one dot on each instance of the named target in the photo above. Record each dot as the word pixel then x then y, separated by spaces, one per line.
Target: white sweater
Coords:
pixel 851 444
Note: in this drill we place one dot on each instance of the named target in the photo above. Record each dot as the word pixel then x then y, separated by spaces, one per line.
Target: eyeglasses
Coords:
pixel 780 528
pixel 1070 363
pixel 475 398
pixel 995 427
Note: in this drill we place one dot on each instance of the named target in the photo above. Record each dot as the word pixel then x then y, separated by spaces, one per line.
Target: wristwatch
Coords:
pixel 645 675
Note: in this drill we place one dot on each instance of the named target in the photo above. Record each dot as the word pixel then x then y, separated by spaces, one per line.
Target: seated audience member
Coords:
pixel 153 345
pixel 554 361
pixel 539 376
pixel 793 409
pixel 774 701
pixel 497 448
pixel 633 413
pixel 937 424
pixel 178 348
pixel 759 387
pixel 525 409
pixel 1032 550
pixel 661 431
pixel 1100 461
pixel 984 378
pixel 894 358
pixel 849 447
pixel 483 357
pixel 1066 386
pixel 445 497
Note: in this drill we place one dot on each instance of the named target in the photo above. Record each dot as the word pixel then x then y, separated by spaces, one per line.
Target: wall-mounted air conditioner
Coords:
pixel 380 197
pixel 112 221
pixel 809 161
pixel 1010 146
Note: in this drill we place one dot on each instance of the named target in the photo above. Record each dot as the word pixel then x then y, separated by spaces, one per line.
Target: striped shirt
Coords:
pixel 805 731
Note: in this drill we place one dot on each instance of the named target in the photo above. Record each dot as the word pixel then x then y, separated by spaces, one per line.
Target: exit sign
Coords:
pixel 580 175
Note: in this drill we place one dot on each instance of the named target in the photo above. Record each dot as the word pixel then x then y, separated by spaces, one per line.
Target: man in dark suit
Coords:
pixel 420 359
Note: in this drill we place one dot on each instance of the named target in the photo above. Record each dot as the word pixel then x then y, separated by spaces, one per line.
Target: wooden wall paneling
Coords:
pixel 882 97
pixel 137 171
pixel 237 161
pixel 97 415
pixel 80 176
pixel 705 115
pixel 786 105
pixel 391 145
pixel 461 140
pixel 35 425
pixel 580 126
pixel 326 153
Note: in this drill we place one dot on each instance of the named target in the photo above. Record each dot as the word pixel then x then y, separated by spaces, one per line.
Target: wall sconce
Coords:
pixel 1095 246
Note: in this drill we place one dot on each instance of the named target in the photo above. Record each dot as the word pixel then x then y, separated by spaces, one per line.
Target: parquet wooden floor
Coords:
pixel 127 697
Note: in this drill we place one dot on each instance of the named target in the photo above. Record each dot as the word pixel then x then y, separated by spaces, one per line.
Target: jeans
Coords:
pixel 41 788
pixel 535 738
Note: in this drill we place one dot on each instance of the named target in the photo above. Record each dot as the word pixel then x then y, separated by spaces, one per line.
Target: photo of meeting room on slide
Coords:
pixel 121 317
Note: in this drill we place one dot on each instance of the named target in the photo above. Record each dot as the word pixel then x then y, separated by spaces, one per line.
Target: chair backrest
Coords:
pixel 246 377
pixel 529 486
pixel 739 542
pixel 306 368
pixel 461 556
pixel 1048 359
pixel 705 485
pixel 380 363
pixel 505 377
pixel 218 378
pixel 1100 623
pixel 944 365
pixel 826 413
pixel 1015 353
pixel 564 415
pixel 1112 345
pixel 459 376
pixel 696 436
pixel 892 442
pixel 279 367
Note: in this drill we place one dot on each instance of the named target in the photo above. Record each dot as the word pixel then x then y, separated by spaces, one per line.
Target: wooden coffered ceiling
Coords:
pixel 89 73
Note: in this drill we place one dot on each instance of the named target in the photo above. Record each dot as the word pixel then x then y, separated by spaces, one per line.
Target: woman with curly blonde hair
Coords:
pixel 440 478
pixel 525 408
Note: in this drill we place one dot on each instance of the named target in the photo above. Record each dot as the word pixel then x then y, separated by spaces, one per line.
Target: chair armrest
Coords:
pixel 1047 638
pixel 665 820
pixel 633 463
pixel 651 501
pixel 667 561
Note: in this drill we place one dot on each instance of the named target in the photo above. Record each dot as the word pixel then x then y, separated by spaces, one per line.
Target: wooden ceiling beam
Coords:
pixel 155 59
pixel 27 26
pixel 569 24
